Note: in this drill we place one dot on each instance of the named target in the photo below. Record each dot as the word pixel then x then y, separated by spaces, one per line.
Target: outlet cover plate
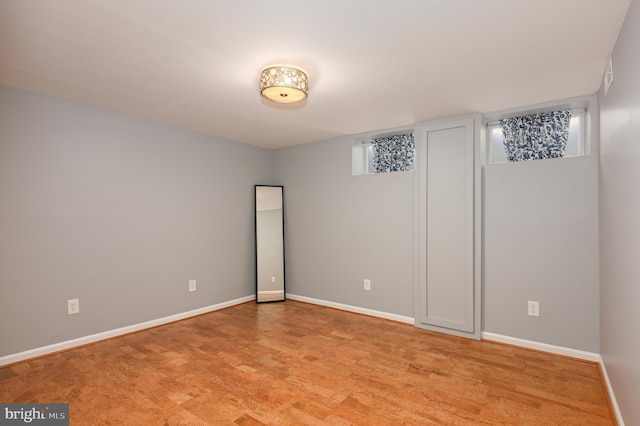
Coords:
pixel 533 309
pixel 73 306
pixel 192 285
pixel 367 284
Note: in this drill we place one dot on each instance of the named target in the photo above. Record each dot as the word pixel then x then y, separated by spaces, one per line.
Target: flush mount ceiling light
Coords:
pixel 284 84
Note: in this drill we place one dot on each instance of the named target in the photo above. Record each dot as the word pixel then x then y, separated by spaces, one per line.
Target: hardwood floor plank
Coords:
pixel 294 363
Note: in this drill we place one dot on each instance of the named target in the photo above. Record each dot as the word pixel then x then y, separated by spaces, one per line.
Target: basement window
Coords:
pixel 575 143
pixel 383 153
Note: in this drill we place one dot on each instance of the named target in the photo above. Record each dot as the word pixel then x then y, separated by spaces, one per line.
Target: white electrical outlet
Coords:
pixel 533 309
pixel 192 285
pixel 73 306
pixel 273 279
pixel 367 284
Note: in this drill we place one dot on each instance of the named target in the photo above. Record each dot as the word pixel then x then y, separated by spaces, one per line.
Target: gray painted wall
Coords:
pixel 341 229
pixel 119 212
pixel 541 243
pixel 122 212
pixel 620 220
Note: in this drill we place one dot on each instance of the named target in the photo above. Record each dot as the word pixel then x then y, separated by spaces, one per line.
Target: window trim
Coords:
pixel 586 105
pixel 363 142
pixel 575 112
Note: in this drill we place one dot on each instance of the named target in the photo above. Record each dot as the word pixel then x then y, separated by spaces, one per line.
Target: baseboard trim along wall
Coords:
pixel 543 347
pixel 57 347
pixel 612 397
pixel 350 308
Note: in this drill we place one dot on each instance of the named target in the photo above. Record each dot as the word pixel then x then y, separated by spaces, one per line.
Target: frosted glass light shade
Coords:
pixel 284 84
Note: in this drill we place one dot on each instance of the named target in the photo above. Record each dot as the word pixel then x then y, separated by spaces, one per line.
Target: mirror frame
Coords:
pixel 255 212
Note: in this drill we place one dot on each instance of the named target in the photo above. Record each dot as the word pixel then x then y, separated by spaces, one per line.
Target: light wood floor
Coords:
pixel 300 364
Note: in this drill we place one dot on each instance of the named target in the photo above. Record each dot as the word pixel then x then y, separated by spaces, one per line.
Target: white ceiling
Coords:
pixel 372 65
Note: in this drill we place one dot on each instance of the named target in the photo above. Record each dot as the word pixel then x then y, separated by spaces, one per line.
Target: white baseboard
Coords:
pixel 57 347
pixel 543 347
pixel 349 308
pixel 614 402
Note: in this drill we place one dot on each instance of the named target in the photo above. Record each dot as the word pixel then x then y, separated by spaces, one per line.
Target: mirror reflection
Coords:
pixel 269 243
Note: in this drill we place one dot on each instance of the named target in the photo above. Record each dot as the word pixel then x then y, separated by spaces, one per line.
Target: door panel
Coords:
pixel 446 286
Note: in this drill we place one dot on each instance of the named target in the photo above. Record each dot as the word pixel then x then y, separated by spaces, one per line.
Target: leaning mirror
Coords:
pixel 269 243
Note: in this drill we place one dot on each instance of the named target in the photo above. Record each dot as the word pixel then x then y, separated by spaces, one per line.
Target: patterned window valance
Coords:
pixel 393 153
pixel 536 136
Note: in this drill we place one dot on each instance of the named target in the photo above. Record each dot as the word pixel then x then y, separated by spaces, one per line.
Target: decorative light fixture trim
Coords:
pixel 284 84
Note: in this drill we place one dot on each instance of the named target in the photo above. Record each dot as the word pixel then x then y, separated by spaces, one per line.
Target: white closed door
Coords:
pixel 448 227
